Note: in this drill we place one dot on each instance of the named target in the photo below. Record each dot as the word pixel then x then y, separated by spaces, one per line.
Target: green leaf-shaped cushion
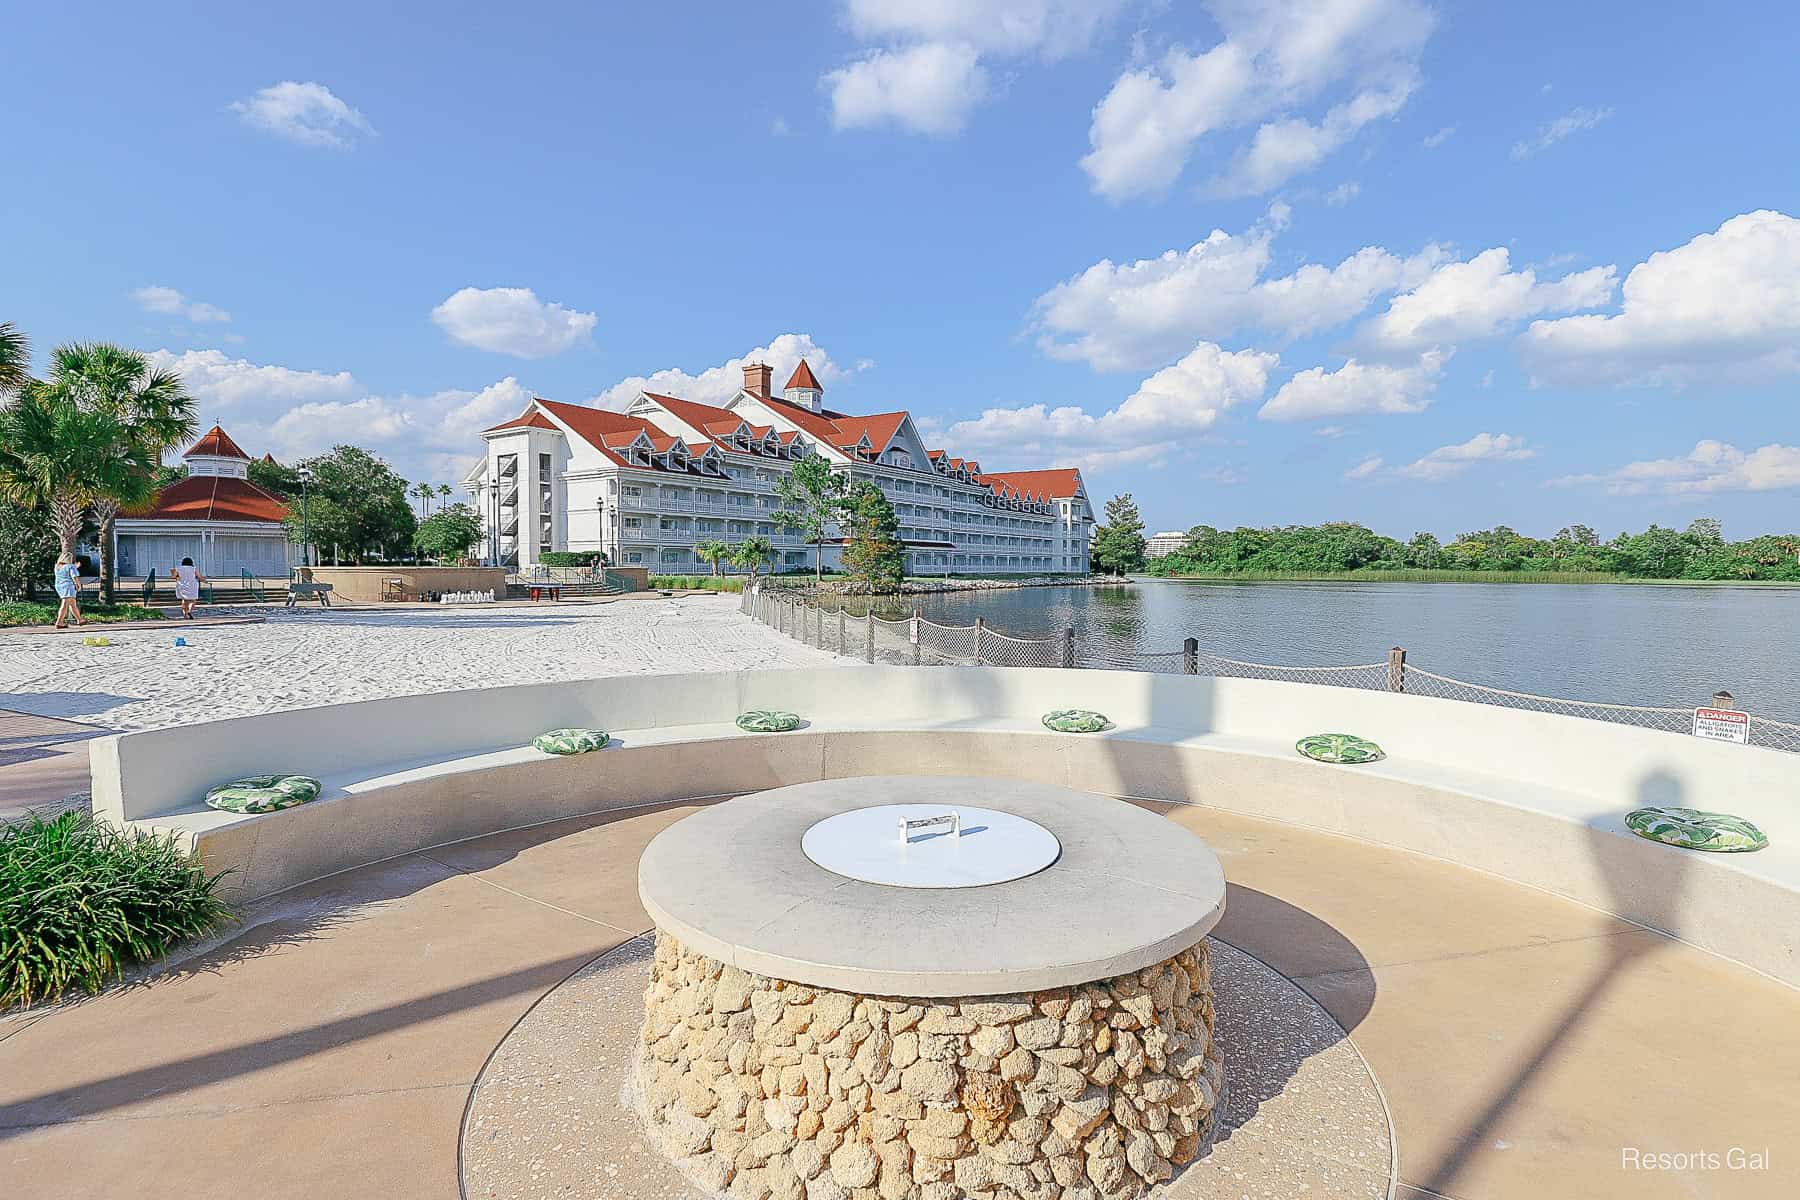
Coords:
pixel 768 720
pixel 263 793
pixel 1075 720
pixel 1695 829
pixel 1339 748
pixel 571 741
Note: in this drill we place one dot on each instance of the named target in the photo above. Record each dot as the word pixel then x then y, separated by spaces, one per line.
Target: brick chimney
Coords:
pixel 757 378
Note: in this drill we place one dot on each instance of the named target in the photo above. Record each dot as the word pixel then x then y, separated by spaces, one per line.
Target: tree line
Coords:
pixel 1698 552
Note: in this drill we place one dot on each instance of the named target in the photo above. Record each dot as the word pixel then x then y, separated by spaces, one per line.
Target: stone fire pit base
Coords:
pixel 764 1087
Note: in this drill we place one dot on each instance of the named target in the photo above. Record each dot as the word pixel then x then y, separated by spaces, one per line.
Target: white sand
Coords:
pixel 313 656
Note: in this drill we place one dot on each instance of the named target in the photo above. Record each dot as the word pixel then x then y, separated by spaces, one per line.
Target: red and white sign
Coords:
pixel 1722 725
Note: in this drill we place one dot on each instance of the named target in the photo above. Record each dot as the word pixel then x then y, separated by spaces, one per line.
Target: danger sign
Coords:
pixel 1722 725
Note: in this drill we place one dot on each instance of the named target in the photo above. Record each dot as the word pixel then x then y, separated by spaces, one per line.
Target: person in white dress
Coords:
pixel 187 586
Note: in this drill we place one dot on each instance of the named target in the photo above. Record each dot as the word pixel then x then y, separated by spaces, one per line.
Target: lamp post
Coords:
pixel 306 477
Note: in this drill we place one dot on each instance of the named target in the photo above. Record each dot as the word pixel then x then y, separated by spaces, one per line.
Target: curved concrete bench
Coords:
pixel 1537 799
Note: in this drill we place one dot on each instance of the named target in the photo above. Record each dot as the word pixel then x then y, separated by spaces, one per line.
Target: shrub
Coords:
pixel 80 901
pixel 36 612
pixel 572 558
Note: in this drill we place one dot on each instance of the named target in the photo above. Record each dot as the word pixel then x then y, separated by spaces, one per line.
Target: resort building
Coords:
pixel 1159 544
pixel 646 485
pixel 215 516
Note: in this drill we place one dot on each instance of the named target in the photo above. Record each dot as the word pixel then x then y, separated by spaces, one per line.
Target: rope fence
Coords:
pixel 849 625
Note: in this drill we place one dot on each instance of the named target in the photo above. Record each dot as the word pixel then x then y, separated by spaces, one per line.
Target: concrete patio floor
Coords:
pixel 43 760
pixel 328 1047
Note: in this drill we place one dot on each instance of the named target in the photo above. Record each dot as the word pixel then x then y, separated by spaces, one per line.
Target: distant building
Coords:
pixel 1160 544
pixel 648 484
pixel 215 516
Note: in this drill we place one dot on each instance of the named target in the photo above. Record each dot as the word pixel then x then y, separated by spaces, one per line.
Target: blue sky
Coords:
pixel 1257 263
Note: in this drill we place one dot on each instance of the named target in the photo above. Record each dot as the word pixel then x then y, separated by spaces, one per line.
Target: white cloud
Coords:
pixel 1275 57
pixel 169 302
pixel 715 385
pixel 924 66
pixel 1433 141
pixel 1138 314
pixel 307 113
pixel 1367 468
pixel 928 88
pixel 1711 467
pixel 1447 462
pixel 1550 133
pixel 293 413
pixel 1050 28
pixel 1343 193
pixel 1357 387
pixel 1477 299
pixel 1724 306
pixel 1285 148
pixel 1151 424
pixel 215 379
pixel 511 321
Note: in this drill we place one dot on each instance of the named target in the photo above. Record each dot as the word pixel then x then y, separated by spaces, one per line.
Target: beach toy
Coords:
pixel 263 793
pixel 1339 748
pixel 768 720
pixel 91 640
pixel 1075 720
pixel 181 641
pixel 571 741
pixel 1696 829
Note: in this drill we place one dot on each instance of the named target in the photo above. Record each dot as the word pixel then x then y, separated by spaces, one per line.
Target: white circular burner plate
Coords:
pixel 945 846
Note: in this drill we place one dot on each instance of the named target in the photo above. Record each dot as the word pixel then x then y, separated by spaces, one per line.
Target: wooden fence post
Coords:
pixel 843 641
pixel 1396 681
pixel 1068 646
pixel 869 645
pixel 1190 656
pixel 917 637
pixel 980 628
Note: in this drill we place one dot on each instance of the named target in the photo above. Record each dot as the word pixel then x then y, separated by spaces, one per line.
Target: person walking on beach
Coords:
pixel 187 586
pixel 68 592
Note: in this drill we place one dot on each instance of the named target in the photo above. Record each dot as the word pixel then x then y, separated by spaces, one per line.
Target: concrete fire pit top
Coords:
pixel 1128 889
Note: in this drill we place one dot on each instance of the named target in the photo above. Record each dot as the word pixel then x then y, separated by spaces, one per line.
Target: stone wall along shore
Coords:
pixel 764 1088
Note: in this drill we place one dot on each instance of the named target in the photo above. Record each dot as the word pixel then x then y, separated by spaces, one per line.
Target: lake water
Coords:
pixel 1618 643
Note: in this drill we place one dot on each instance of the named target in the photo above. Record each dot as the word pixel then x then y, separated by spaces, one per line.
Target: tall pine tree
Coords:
pixel 1119 543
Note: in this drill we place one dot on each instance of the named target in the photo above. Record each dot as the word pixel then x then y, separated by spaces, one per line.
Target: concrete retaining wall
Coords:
pixel 369 584
pixel 1538 799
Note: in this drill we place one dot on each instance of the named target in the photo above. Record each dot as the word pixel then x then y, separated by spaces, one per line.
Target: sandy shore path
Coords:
pixel 306 657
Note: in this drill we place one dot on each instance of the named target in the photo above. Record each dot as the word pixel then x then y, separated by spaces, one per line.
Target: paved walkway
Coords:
pixel 42 761
pixel 328 1048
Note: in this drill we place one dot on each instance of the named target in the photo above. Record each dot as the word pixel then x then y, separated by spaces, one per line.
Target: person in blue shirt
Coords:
pixel 68 592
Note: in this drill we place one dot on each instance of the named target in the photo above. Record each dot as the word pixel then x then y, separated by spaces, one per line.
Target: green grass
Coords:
pixel 1413 575
pixel 35 612
pixel 80 901
pixel 697 583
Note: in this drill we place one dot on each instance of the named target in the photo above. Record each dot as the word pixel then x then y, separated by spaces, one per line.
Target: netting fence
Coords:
pixel 853 626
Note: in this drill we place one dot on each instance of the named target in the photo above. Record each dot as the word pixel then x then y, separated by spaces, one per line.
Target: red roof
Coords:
pixel 596 426
pixel 879 428
pixel 218 443
pixel 822 428
pixel 1060 482
pixel 532 419
pixel 212 498
pixel 804 378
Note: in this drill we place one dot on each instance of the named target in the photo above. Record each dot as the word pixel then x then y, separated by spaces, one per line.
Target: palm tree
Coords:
pixel 712 550
pixel 151 413
pixel 752 554
pixel 444 492
pixel 15 358
pixel 63 457
pixel 423 493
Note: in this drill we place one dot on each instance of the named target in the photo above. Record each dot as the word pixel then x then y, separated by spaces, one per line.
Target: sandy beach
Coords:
pixel 306 657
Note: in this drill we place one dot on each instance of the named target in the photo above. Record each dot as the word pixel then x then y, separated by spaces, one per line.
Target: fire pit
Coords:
pixel 867 987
